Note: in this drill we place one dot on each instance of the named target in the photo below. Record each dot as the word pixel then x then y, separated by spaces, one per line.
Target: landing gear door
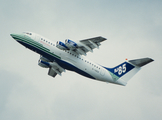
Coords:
pixel 37 38
pixel 102 72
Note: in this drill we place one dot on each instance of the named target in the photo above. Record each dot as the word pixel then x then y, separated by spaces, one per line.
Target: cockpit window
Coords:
pixel 28 33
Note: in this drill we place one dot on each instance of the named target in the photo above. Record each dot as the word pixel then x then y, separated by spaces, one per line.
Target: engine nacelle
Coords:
pixel 43 62
pixel 44 59
pixel 61 45
pixel 70 44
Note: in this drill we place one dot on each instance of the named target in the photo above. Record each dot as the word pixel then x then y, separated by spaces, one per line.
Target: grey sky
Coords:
pixel 133 29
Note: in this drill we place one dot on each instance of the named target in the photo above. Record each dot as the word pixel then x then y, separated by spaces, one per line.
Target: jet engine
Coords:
pixel 70 44
pixel 42 62
pixel 61 45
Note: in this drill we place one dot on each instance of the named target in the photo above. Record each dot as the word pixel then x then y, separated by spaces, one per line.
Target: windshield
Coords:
pixel 28 33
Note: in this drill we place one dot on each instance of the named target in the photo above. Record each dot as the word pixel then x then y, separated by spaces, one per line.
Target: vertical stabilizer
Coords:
pixel 122 73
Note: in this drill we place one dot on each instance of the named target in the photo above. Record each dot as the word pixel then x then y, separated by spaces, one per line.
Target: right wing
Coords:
pixel 84 46
pixel 90 44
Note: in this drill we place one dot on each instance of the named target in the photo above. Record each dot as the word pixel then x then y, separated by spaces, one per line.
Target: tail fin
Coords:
pixel 122 73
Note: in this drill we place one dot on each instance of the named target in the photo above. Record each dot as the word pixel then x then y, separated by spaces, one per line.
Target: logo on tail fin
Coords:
pixel 120 70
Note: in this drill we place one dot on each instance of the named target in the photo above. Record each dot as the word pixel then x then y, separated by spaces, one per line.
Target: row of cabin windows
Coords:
pixel 82 59
pixel 47 41
pixel 92 64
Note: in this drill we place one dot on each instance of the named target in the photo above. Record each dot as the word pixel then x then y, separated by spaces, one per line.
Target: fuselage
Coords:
pixel 67 59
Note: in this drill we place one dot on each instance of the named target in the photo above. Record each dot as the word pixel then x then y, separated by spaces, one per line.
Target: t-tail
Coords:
pixel 122 73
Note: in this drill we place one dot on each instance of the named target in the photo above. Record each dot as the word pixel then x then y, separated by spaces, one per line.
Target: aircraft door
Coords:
pixel 37 38
pixel 102 72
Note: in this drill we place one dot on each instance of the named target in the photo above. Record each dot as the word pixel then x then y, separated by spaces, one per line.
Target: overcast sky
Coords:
pixel 133 29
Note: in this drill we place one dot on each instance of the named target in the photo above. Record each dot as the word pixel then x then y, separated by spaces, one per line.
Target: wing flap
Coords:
pixel 55 69
pixel 51 72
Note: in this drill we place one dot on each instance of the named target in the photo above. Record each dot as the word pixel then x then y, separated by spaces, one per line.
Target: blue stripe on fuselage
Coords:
pixel 62 63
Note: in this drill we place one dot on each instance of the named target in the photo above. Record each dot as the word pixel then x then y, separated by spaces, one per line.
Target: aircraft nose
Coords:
pixel 12 35
pixel 15 36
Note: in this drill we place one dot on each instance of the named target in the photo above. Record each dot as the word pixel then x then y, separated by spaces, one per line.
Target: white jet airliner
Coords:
pixel 70 55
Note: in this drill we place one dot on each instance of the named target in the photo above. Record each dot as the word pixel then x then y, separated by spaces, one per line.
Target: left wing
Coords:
pixel 84 46
pixel 54 67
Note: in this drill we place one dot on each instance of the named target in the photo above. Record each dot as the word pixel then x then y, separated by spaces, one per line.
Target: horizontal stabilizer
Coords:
pixel 141 62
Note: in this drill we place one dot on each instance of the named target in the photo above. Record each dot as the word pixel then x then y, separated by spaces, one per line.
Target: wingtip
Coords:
pixel 103 38
pixel 151 59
